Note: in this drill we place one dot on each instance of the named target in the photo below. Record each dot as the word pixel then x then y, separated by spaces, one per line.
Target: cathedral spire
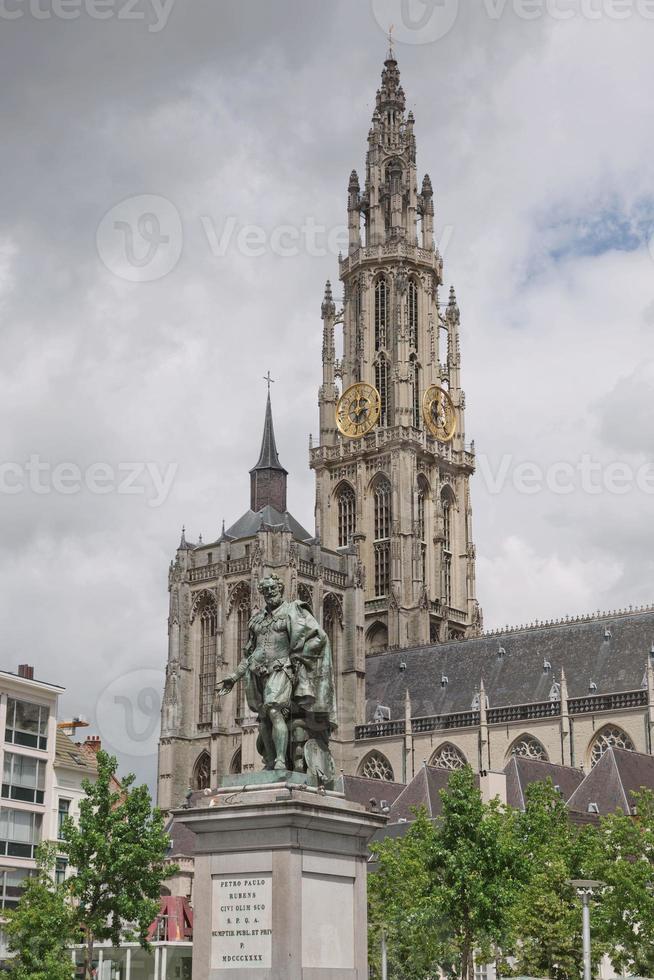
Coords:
pixel 268 477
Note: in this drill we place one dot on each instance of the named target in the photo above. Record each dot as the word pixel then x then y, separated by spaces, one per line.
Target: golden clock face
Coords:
pixel 439 414
pixel 358 410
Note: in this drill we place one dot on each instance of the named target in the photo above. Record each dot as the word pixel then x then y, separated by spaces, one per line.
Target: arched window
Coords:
pixel 332 617
pixel 381 543
pixel 240 607
pixel 414 377
pixel 376 766
pixel 412 304
pixel 347 514
pixel 208 623
pixel 446 500
pixel 305 595
pixel 236 764
pixel 202 772
pixel 377 638
pixel 423 496
pixel 609 737
pixel 447 756
pixel 528 747
pixel 381 314
pixel 381 384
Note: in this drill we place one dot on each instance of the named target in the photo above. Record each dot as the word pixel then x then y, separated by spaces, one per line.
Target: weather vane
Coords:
pixel 390 36
pixel 269 380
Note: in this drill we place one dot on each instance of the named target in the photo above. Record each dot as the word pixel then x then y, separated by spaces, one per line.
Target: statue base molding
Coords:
pixel 280 882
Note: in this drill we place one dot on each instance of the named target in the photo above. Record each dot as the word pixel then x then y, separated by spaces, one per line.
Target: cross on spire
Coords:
pixel 270 381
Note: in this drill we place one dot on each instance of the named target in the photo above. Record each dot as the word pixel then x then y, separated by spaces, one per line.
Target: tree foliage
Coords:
pixel 41 930
pixel 118 851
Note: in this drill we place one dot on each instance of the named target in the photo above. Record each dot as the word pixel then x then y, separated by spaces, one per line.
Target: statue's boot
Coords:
pixel 280 764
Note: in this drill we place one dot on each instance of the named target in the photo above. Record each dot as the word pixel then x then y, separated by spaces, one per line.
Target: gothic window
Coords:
pixel 207 662
pixel 607 738
pixel 241 607
pixel 414 376
pixel 528 747
pixel 376 766
pixel 381 384
pixel 236 763
pixel 381 544
pixel 202 772
pixel 381 314
pixel 305 595
pixel 377 638
pixel 448 757
pixel 423 496
pixel 346 515
pixel 446 500
pixel 332 617
pixel 412 302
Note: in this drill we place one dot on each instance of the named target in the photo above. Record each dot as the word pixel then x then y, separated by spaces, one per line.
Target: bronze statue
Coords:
pixel 289 684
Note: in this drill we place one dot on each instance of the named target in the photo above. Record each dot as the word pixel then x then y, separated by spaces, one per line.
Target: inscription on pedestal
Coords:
pixel 241 936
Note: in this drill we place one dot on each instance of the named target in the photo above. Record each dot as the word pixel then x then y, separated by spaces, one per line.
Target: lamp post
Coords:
pixel 585 888
pixel 384 956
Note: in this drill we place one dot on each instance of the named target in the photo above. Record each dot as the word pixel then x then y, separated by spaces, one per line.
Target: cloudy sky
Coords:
pixel 173 185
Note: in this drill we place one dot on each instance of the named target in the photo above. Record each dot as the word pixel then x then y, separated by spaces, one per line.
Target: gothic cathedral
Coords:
pixel 391 563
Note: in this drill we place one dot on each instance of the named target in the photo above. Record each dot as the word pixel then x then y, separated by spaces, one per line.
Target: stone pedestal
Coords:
pixel 280 884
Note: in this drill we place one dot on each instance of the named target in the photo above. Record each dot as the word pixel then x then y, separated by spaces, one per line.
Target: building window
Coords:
pixel 12 885
pixel 27 724
pixel 207 662
pixel 413 314
pixel 609 737
pixel 202 772
pixel 381 384
pixel 447 549
pixel 448 757
pixel 528 747
pixel 23 778
pixel 382 569
pixel 381 314
pixel 347 513
pixel 63 813
pixel 415 391
pixel 60 871
pixel 243 616
pixel 381 545
pixel 20 832
pixel 376 766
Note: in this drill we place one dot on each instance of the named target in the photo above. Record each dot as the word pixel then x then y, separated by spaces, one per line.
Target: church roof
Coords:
pixel 521 772
pixel 423 790
pixel 268 457
pixel 253 521
pixel 611 783
pixel 601 655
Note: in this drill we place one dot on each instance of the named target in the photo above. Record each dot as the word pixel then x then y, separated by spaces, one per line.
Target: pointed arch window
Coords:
pixel 412 303
pixel 346 515
pixel 208 623
pixel 446 500
pixel 202 772
pixel 423 496
pixel 448 756
pixel 382 543
pixel 528 747
pixel 242 608
pixel 414 375
pixel 609 737
pixel 381 314
pixel 376 766
pixel 381 384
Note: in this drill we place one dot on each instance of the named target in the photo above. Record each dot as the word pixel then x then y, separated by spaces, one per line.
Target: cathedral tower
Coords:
pixel 397 496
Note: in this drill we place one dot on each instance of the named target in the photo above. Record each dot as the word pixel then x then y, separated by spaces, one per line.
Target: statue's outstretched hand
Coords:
pixel 224 686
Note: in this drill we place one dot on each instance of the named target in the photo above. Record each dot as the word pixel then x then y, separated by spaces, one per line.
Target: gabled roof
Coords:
pixel 370 793
pixel 521 772
pixel 423 790
pixel 268 518
pixel 73 756
pixel 610 784
pixel 182 840
pixel 512 665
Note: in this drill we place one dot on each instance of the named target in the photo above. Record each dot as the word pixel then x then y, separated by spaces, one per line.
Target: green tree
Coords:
pixel 546 915
pixel 444 891
pixel 40 930
pixel 623 916
pixel 118 850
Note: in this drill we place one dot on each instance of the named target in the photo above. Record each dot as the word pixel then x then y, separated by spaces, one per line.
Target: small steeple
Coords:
pixel 268 476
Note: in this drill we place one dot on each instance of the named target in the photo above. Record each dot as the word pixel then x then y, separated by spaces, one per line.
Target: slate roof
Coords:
pixel 612 781
pixel 253 521
pixel 182 840
pixel 268 458
pixel 73 756
pixel 370 792
pixel 423 790
pixel 511 665
pixel 521 772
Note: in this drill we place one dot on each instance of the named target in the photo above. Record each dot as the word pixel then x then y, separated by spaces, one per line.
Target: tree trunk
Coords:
pixel 88 957
pixel 466 954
